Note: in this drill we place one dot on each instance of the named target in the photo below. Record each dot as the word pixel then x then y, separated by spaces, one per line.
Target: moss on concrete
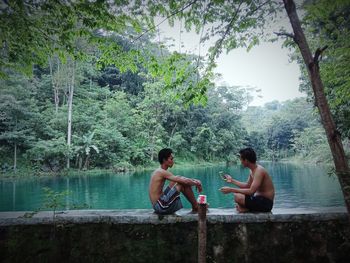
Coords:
pixel 140 236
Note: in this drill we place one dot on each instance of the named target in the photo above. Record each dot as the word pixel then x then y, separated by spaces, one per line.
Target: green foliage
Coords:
pixel 58 200
pixel 328 24
pixel 129 95
pixel 113 127
pixel 33 30
pixel 54 200
pixel 311 143
pixel 85 145
pixel 275 129
pixel 50 155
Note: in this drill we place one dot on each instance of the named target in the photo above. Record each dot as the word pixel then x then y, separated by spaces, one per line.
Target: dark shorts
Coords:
pixel 258 203
pixel 169 202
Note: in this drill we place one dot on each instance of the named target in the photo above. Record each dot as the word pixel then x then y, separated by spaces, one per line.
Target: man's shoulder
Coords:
pixel 262 170
pixel 160 172
pixel 157 171
pixel 260 167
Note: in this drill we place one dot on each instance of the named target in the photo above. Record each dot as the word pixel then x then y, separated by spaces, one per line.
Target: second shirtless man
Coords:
pixel 257 194
pixel 168 201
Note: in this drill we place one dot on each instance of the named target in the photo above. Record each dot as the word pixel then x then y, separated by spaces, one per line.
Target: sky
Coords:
pixel 266 67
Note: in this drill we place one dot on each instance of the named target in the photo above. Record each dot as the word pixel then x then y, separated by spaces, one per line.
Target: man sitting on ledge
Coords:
pixel 168 201
pixel 257 194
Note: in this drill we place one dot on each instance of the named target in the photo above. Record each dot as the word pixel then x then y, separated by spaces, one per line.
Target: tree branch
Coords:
pixel 172 14
pixel 318 53
pixel 285 34
pixel 219 43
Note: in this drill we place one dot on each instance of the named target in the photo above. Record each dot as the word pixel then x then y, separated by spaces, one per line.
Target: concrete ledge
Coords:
pixel 146 216
pixel 132 236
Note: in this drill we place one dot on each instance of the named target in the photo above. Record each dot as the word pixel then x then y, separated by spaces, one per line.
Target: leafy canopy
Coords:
pixel 31 30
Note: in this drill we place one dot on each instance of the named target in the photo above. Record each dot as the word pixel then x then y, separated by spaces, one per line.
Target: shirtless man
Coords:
pixel 168 201
pixel 258 193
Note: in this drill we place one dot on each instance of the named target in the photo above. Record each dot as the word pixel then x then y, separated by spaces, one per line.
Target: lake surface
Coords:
pixel 305 186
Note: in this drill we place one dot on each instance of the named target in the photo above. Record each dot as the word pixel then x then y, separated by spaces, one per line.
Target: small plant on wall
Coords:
pixel 55 200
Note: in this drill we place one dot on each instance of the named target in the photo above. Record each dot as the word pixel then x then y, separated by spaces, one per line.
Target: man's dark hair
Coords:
pixel 248 154
pixel 164 154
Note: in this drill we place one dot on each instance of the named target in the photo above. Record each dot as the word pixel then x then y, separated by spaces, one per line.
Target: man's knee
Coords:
pixel 239 198
pixel 179 187
pixel 171 184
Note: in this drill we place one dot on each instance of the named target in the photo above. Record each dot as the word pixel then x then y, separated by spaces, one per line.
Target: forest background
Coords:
pixel 98 109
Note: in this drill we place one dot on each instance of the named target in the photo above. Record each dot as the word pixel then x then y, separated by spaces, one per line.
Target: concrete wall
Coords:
pixel 141 236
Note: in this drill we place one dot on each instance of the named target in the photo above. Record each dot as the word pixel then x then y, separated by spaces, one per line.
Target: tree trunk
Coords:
pixel 70 106
pixel 54 83
pixel 76 161
pixel 56 87
pixel 80 162
pixel 172 135
pixel 333 136
pixel 86 165
pixel 152 146
pixel 153 142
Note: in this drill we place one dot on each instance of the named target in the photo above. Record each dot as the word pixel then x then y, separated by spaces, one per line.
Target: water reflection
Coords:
pixel 303 186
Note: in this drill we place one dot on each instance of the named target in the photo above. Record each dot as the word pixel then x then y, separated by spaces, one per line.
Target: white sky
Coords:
pixel 266 67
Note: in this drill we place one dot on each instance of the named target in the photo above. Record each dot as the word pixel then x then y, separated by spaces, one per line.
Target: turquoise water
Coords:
pixel 296 186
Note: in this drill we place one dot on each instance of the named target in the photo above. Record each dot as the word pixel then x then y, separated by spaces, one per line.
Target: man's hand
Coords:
pixel 226 190
pixel 198 185
pixel 228 178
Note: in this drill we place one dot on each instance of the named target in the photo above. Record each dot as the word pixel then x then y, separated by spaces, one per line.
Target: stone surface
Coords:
pixel 297 235
pixel 145 216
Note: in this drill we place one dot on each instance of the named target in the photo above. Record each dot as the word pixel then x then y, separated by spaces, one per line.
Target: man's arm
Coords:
pixel 257 181
pixel 183 180
pixel 242 185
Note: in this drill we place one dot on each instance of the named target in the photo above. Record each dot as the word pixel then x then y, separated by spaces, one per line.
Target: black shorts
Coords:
pixel 258 203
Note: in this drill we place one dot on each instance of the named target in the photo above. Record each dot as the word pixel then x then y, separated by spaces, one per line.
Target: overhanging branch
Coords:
pixel 218 44
pixel 318 53
pixel 172 14
pixel 285 34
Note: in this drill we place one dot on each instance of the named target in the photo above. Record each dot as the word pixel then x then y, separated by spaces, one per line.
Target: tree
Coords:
pixel 150 113
pixel 327 23
pixel 273 127
pixel 205 142
pixel 70 92
pixel 312 143
pixel 84 149
pixel 16 108
pixel 312 65
pixel 49 155
pixel 31 30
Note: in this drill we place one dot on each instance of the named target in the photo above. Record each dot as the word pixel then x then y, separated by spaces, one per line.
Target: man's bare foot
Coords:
pixel 241 209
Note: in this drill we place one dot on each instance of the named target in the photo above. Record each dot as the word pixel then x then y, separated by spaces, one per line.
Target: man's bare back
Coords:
pixel 266 187
pixel 156 184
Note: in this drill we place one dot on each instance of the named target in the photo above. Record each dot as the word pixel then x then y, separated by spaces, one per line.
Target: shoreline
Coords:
pixel 27 173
